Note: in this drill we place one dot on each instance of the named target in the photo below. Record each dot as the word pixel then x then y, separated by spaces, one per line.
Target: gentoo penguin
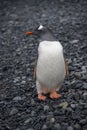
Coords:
pixel 51 67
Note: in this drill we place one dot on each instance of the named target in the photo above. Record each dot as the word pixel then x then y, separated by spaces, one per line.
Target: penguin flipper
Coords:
pixel 35 67
pixel 66 69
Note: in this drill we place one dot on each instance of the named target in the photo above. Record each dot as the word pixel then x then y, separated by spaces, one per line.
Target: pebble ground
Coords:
pixel 19 106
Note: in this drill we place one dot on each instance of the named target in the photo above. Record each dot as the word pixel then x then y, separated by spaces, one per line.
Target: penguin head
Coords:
pixel 42 32
pixel 38 31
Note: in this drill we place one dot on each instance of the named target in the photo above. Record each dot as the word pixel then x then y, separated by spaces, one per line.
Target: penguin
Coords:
pixel 51 66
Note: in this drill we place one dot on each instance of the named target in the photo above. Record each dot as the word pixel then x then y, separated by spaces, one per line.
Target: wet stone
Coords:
pixel 84 68
pixel 52 120
pixel 84 127
pixel 17 98
pixel 13 111
pixel 64 105
pixel 57 126
pixel 85 95
pixel 32 102
pixel 73 106
pixel 77 127
pixel 17 129
pixel 32 113
pixel 30 129
pixel 16 80
pixel 85 86
pixel 44 127
pixel 83 121
pixel 23 82
pixel 46 108
pixel 70 128
pixel 74 41
pixel 27 121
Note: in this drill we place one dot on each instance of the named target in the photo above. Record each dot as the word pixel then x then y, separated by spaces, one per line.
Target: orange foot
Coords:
pixel 55 95
pixel 41 97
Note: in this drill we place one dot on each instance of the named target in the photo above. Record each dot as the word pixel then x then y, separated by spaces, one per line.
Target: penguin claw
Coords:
pixel 41 97
pixel 55 95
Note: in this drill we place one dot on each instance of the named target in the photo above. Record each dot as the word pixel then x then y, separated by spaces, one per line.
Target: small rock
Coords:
pixel 73 106
pixel 85 106
pixel 84 68
pixel 73 82
pixel 17 98
pixel 27 121
pixel 24 77
pixel 69 61
pixel 77 75
pixel 23 82
pixel 46 108
pixel 63 105
pixel 18 49
pixel 30 129
pixel 52 120
pixel 32 113
pixel 83 121
pixel 17 129
pixel 43 15
pixel 85 95
pixel 44 127
pixel 69 109
pixel 32 102
pixel 70 128
pixel 16 80
pixel 85 85
pixel 57 126
pixel 77 127
pixel 74 41
pixel 13 111
pixel 84 127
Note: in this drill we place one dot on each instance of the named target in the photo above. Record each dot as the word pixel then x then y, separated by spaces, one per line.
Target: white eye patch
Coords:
pixel 40 27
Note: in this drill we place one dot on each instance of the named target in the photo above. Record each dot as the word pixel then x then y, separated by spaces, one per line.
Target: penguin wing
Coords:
pixel 66 69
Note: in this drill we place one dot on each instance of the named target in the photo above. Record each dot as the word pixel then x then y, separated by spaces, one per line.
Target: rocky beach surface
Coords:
pixel 19 107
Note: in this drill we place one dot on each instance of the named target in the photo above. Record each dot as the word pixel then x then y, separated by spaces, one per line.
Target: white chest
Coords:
pixel 50 65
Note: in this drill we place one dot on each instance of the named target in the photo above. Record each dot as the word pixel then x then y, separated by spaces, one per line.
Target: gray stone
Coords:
pixel 74 41
pixel 69 61
pixel 85 95
pixel 57 126
pixel 46 108
pixel 77 127
pixel 30 129
pixel 17 98
pixel 32 113
pixel 23 82
pixel 32 102
pixel 23 77
pixel 85 86
pixel 77 75
pixel 52 120
pixel 70 128
pixel 73 106
pixel 44 127
pixel 83 121
pixel 84 68
pixel 13 111
pixel 64 105
pixel 84 127
pixel 16 79
pixel 27 121
pixel 17 129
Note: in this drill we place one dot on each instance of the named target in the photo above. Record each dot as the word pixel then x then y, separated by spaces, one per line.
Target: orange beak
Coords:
pixel 29 33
